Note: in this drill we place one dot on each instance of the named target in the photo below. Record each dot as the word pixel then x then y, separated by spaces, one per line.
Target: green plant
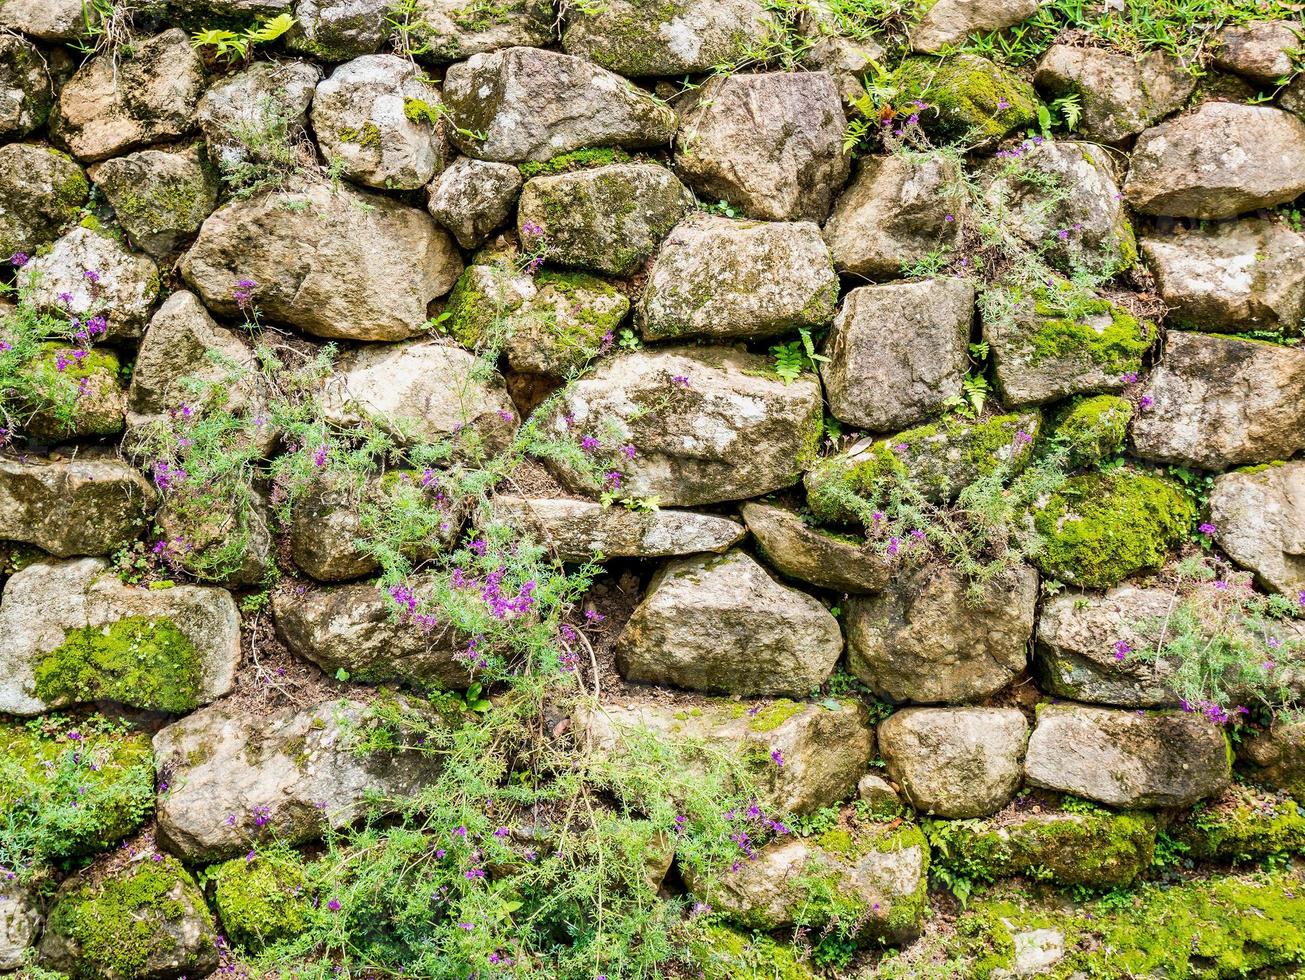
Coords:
pixel 233 46
pixel 796 356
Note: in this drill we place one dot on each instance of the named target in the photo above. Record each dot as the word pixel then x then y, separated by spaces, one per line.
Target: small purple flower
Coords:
pixel 243 293
pixel 19 259
pixel 1122 649
pixel 333 905
pixel 1002 104
pixel 614 478
pixel 531 230
pixel 1022 437
pixel 893 545
pixel 628 451
pixel 319 456
pixel 1206 528
pixel 589 444
pixel 92 277
pixel 777 757
pixel 680 379
pixel 1146 402
pixel 1129 377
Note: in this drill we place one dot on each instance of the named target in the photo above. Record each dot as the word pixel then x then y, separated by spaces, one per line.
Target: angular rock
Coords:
pixel 380 118
pixel 113 105
pixel 1259 520
pixel 1219 402
pixel 253 114
pixel 576 530
pixel 1259 51
pixel 20 924
pixel 472 198
pixel 528 104
pixel 103 278
pixel 1120 95
pixel 49 20
pixel 81 506
pixel 41 193
pixel 423 390
pixel 1276 756
pixel 722 624
pixel 1233 277
pixel 452 30
pixel 634 38
pixel 967 99
pixel 770 144
pixel 826 747
pixel 331 261
pixel 955 762
pixel 609 219
pixel 721 278
pixel 1127 759
pixel 159 198
pixel 290 774
pixel 927 639
pixel 25 92
pixel 894 214
pixel 952 21
pixel 1219 160
pixel 897 352
pixel 337 30
pixel 708 424
pixel 71 633
pixel 826 560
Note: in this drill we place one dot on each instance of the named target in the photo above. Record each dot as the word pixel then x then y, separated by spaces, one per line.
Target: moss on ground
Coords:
pixel 726 954
pixel 1243 825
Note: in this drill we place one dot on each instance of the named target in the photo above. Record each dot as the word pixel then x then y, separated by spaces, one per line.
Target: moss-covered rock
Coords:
pixel 1093 429
pixel 571 318
pixel 1100 528
pixel 81 393
pixel 261 900
pixel 722 953
pixel 43 191
pixel 1244 824
pixel 967 99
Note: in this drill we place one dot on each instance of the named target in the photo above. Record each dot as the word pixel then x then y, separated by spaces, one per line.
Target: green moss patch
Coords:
pixel 725 954
pixel 584 159
pixel 1073 324
pixel 967 99
pixel 1245 824
pixel 261 901
pixel 1092 430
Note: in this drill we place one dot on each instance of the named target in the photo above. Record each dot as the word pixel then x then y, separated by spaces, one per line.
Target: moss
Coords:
pixel 866 474
pixel 171 203
pixel 770 717
pixel 725 954
pixel 368 135
pixel 1100 528
pixel 145 663
pixel 969 99
pixel 1243 826
pixel 261 901
pixel 583 159
pixel 419 110
pixel 1092 429
pixel 1070 325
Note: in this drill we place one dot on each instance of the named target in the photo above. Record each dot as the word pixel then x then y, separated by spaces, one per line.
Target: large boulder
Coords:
pixel 928 638
pixel 707 424
pixel 955 762
pixel 1233 277
pixel 41 193
pixel 253 115
pixel 1127 759
pixel 725 279
pixel 25 92
pixel 331 261
pixel 950 22
pixel 1219 160
pixel 471 198
pixel 898 351
pixel 20 924
pixel 823 558
pixel 89 505
pixel 770 144
pixel 1217 402
pixel 1259 520
pixel 116 104
pixel 72 633
pixel 609 219
pixel 721 623
pixel 529 104
pixel 49 20
pixel 379 117
pixel 160 198
pixel 452 30
pixel 1262 51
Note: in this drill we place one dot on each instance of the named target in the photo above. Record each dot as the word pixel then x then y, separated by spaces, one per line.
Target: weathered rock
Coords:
pixel 254 114
pixel 825 747
pixel 113 105
pixel 826 560
pixel 529 104
pixel 1259 520
pixel 1220 402
pixel 952 21
pixel 20 923
pixel 73 633
pixel 1092 429
pixel 894 214
pixel 358 629
pixel 380 118
pixel 927 639
pixel 609 219
pixel 771 144
pixel 878 793
pixel 471 198
pixel 636 38
pixel 236 777
pixel 132 919
pixel 50 20
pixel 423 390
pixel 1219 160
pixel 955 762
pixel 80 506
pixel 897 352
pixel 159 198
pixel 91 380
pixel 103 278
pixel 1236 276
pixel 337 30
pixel 722 624
pixel 965 98
pixel 1276 756
pixel 1058 340
pixel 1259 51
pixel 707 424
pixel 1120 95
pixel 721 278
pixel 1293 97
pixel 228 542
pixel 1127 758
pixel 845 50
pixel 452 30
pixel 41 193
pixel 331 261
pixel 25 92
pixel 576 530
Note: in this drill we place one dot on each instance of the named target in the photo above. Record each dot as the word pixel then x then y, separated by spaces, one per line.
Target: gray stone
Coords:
pixel 256 114
pixel 826 560
pixel 1260 51
pixel 41 193
pixel 20 923
pixel 847 60
pixel 950 22
pixel 955 762
pixel 609 219
pixel 49 20
pixel 337 30
pixel 1259 520
pixel 1292 97
pixel 25 92
pixel 1219 402
pixel 159 198
pixel 722 624
pixel 897 352
pixel 566 320
pixel 472 198
pixel 48 603
pixel 724 279
pixel 928 639
pixel 227 542
pixel 1127 759
pixel 1276 756
pixel 770 144
pixel 452 30
pixel 527 104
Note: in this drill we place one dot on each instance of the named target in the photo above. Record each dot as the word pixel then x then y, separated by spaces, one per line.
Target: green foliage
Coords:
pixel 232 46
pixel 796 356
pixel 261 898
pixel 265 154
